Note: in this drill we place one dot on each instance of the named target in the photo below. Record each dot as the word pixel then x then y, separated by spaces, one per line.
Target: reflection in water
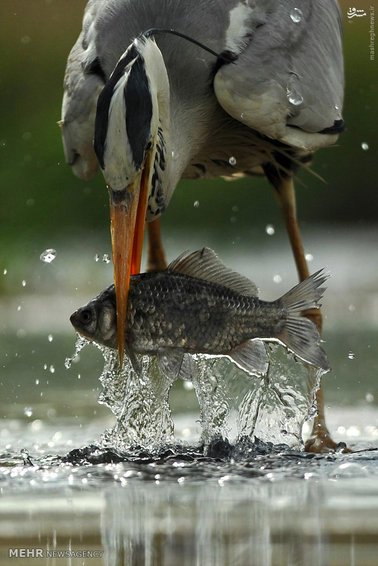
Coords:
pixel 259 524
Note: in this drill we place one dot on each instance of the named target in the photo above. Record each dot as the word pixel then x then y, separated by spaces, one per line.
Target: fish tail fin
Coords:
pixel 300 334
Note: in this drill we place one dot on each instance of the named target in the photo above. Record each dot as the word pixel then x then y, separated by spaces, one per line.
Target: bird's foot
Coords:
pixel 320 442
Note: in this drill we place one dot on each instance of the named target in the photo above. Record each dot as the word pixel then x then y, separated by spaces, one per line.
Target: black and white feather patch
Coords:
pixel 104 101
pixel 138 111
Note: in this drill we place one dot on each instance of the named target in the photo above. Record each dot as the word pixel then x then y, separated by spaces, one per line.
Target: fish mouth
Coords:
pixel 128 208
pixel 76 320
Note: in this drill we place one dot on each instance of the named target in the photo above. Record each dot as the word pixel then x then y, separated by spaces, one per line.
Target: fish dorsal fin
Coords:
pixel 251 357
pixel 205 264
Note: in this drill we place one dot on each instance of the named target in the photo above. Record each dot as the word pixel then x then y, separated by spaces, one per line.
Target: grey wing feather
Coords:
pixel 277 57
pixel 81 90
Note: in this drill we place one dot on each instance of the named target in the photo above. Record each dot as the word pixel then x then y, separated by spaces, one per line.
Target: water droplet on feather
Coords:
pixel 296 15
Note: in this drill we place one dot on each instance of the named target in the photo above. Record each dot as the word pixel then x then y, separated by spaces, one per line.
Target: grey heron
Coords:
pixel 264 88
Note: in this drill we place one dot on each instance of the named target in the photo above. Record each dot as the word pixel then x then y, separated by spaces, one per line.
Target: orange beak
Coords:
pixel 127 214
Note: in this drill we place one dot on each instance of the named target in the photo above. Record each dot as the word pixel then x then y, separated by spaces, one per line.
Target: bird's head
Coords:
pixel 131 135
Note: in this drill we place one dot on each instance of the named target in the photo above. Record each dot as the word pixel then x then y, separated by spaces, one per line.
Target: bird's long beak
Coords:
pixel 127 215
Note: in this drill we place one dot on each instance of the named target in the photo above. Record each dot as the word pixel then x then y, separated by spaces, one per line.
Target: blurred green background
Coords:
pixel 42 202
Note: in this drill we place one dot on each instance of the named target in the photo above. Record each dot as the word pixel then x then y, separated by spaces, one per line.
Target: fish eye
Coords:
pixel 86 316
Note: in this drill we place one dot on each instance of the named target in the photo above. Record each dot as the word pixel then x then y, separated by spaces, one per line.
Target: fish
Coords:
pixel 200 306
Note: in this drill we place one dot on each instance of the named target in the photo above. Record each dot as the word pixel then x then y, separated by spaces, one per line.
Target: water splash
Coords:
pixel 365 146
pixel 139 401
pixel 270 229
pixel 275 407
pixel 232 161
pixel 210 388
pixel 80 343
pixel 47 256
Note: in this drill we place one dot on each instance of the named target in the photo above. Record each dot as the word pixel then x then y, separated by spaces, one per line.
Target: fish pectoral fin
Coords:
pixel 176 364
pixel 134 361
pixel 206 265
pixel 251 357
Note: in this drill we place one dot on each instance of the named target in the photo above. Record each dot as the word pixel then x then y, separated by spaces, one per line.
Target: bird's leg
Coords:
pixel 320 439
pixel 156 255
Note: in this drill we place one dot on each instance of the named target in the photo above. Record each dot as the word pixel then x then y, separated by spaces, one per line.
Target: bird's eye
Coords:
pixel 95 68
pixel 86 316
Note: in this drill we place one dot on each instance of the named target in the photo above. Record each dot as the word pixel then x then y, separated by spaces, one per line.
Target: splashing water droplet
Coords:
pixel 50 337
pixel 296 15
pixel 232 161
pixel 48 255
pixel 5 271
pixel 23 283
pixel 365 146
pixel 28 411
pixel 277 278
pixel 351 355
pixel 270 230
pixel 51 369
pixel 97 258
pixel 106 258
pixel 188 385
pixel 37 381
pixel 369 397
pixel 309 257
pixel 79 345
pixel 19 308
pixel 196 204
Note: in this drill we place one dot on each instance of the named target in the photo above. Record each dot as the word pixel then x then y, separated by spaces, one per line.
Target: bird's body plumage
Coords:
pixel 239 111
